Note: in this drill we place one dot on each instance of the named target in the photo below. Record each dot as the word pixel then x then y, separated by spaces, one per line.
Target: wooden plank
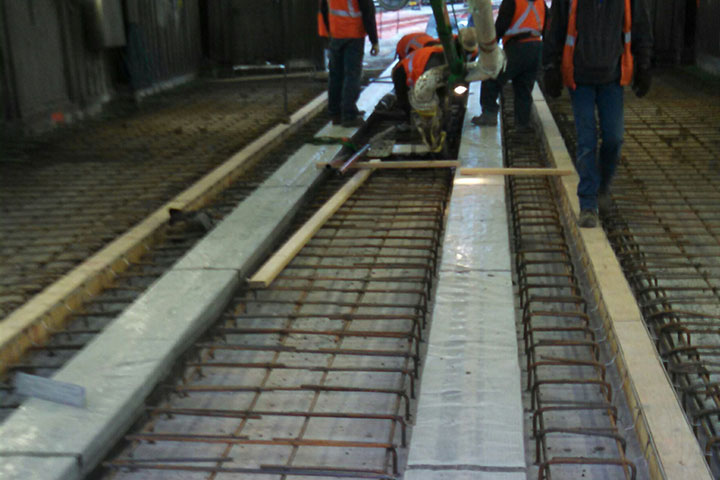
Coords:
pixel 409 164
pixel 274 265
pixel 373 165
pixel 32 323
pixel 516 171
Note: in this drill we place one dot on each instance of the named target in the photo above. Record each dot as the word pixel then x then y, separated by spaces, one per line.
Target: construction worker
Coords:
pixel 407 71
pixel 413 41
pixel 347 22
pixel 520 24
pixel 594 48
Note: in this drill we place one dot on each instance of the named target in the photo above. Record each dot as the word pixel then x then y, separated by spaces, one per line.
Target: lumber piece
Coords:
pixel 274 265
pixel 515 171
pixel 373 165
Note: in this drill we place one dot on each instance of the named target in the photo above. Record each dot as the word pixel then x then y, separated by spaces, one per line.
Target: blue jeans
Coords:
pixel 523 60
pixel 596 171
pixel 346 60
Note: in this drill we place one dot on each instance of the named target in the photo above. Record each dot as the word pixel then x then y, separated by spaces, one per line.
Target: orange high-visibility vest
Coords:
pixel 345 19
pixel 414 41
pixel 529 18
pixel 414 64
pixel 626 61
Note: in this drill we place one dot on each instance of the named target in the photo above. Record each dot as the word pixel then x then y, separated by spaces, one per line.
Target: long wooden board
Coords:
pixel 515 171
pixel 274 265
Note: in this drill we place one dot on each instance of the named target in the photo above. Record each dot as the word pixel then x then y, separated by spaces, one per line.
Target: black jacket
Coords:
pixel 367 8
pixel 599 45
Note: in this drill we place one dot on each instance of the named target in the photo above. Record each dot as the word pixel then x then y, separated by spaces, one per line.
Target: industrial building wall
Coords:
pixel 63 59
pixel 708 35
pixel 251 32
pixel 163 41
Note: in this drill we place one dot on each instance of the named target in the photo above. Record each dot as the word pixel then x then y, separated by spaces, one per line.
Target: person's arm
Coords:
pixel 555 32
pixel 504 19
pixel 324 10
pixel 641 35
pixel 367 8
pixel 641 46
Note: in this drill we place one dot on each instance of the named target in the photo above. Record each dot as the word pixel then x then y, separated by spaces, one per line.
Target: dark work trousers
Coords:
pixel 346 60
pixel 399 78
pixel 597 168
pixel 523 61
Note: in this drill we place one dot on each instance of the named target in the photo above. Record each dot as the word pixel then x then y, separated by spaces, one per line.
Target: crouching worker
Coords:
pixel 420 82
pixel 408 70
pixel 414 41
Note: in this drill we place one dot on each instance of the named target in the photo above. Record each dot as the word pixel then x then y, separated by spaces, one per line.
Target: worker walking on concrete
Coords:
pixel 347 22
pixel 520 24
pixel 595 47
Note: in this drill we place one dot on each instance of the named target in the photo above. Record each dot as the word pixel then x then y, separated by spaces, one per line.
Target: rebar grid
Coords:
pixel 665 229
pixel 84 324
pixel 66 194
pixel 312 376
pixel 574 415
pixel 664 226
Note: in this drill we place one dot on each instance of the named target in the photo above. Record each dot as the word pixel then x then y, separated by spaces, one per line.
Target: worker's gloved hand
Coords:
pixel 552 81
pixel 375 49
pixel 641 82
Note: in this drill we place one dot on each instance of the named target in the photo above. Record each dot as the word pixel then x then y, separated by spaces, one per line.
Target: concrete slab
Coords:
pixel 468 474
pixel 367 102
pixel 476 235
pixel 470 417
pixel 65 467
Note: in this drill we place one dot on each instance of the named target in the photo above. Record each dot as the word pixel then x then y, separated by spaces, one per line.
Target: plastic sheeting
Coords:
pixel 469 423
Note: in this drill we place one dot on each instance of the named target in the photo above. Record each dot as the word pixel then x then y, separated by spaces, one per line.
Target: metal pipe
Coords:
pixel 491 60
pixel 355 157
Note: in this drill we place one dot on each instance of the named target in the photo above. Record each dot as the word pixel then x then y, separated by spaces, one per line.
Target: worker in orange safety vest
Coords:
pixel 520 25
pixel 414 41
pixel 347 22
pixel 595 48
pixel 407 71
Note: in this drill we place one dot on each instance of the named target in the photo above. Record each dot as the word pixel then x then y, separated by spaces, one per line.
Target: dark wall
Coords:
pixel 708 35
pixel 163 41
pixel 33 40
pixel 63 59
pixel 251 32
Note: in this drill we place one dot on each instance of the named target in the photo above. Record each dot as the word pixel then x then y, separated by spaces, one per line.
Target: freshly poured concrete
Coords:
pixel 470 418
pixel 44 440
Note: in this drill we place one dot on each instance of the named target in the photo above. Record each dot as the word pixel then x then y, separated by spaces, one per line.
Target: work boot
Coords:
pixel 604 204
pixel 588 219
pixel 485 120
